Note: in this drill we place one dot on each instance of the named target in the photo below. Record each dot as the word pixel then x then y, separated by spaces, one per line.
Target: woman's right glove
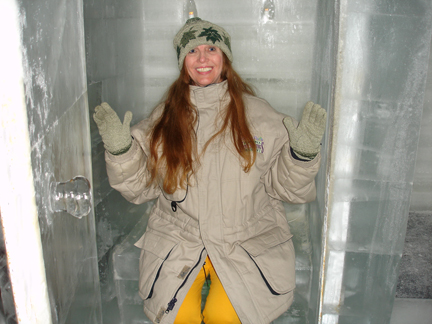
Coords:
pixel 115 135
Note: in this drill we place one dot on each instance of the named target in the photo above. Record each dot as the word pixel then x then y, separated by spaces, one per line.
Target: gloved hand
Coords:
pixel 305 139
pixel 115 135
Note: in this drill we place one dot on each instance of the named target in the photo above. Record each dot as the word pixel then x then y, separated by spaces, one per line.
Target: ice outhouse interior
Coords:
pixel 366 61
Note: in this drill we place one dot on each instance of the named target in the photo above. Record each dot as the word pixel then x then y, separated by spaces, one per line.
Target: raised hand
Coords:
pixel 115 135
pixel 305 138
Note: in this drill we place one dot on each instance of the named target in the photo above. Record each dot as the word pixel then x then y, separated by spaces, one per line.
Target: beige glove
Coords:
pixel 115 135
pixel 305 139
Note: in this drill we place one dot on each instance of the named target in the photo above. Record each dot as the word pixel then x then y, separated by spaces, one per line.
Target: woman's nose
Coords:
pixel 202 56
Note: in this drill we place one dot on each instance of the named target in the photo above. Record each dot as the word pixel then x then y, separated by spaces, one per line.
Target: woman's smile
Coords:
pixel 204 69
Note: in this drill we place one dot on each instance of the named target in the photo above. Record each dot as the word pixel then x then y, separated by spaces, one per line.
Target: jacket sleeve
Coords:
pixel 289 179
pixel 128 174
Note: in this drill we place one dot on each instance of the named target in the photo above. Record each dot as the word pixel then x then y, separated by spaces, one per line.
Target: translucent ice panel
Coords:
pixel 362 292
pixel 54 73
pixel 115 218
pixel 420 200
pixel 378 106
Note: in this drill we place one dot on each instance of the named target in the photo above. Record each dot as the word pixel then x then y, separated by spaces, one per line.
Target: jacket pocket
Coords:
pixel 155 250
pixel 273 255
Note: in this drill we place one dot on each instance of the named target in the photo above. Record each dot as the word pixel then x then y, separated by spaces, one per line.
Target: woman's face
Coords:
pixel 204 65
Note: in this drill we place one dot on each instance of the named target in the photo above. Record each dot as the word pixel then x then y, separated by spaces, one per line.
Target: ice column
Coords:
pixel 28 299
pixel 376 106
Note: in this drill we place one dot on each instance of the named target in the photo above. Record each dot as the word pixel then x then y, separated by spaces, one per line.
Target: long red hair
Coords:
pixel 174 131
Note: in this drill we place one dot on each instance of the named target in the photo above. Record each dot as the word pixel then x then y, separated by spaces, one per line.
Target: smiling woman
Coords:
pixel 219 162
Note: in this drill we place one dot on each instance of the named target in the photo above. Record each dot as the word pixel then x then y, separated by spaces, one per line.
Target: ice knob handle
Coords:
pixel 73 196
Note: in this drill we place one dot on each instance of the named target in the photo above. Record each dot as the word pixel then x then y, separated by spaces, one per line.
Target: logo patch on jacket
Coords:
pixel 259 144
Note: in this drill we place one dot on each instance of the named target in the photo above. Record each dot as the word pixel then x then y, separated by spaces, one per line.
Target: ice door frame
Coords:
pixel 17 198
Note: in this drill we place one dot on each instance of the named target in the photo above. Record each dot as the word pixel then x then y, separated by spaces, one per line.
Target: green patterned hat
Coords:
pixel 200 32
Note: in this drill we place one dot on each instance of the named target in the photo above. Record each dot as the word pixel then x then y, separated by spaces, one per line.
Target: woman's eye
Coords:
pixel 192 51
pixel 212 49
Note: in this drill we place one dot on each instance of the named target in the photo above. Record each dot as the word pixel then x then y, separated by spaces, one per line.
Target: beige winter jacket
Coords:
pixel 236 218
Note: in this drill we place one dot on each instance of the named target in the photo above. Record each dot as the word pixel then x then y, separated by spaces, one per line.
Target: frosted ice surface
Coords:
pixel 224 12
pixel 101 50
pixel 129 45
pixel 401 8
pixel 158 12
pixel 126 254
pixel 126 274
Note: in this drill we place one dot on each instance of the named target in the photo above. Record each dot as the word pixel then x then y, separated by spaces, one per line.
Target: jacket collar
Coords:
pixel 210 96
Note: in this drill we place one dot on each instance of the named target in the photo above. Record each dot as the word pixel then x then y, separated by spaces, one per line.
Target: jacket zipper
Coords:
pixel 157 276
pixel 274 292
pixel 173 301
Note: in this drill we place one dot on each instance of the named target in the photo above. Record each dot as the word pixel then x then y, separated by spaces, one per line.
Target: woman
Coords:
pixel 218 161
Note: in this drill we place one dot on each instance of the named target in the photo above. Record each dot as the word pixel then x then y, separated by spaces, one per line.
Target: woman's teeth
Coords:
pixel 204 69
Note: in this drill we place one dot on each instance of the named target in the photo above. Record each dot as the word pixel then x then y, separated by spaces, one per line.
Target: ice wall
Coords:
pixel 421 200
pixel 378 88
pixel 56 99
pixel 114 54
pixel 416 263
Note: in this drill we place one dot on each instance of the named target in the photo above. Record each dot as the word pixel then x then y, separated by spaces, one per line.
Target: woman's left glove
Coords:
pixel 305 139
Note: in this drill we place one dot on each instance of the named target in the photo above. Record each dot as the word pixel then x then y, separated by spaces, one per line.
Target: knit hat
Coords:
pixel 200 32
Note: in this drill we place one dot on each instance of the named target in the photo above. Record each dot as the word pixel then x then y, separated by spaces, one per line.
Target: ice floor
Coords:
pixel 405 311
